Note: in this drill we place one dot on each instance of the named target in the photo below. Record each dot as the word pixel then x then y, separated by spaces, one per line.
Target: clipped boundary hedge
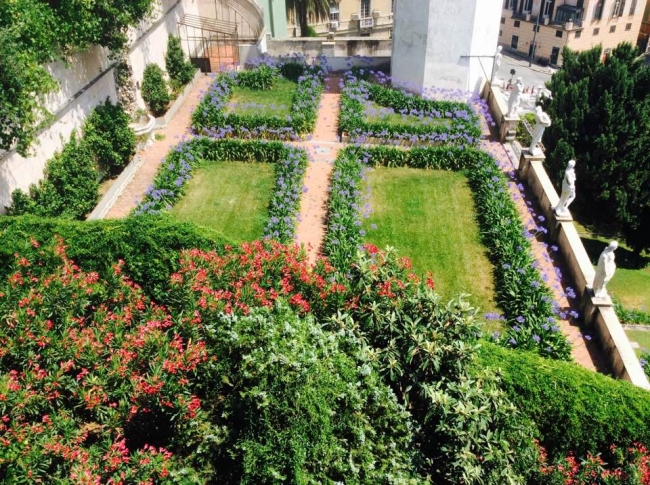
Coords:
pixel 149 245
pixel 463 128
pixel 210 116
pixel 525 300
pixel 575 409
pixel 290 165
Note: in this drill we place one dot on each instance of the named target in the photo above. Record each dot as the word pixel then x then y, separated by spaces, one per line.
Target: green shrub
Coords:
pixel 262 77
pixel 69 189
pixel 106 132
pixel 180 71
pixel 311 32
pixel 575 409
pixel 148 245
pixel 292 70
pixel 154 89
pixel 522 135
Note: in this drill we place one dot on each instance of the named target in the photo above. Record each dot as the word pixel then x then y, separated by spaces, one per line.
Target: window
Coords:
pixel 500 33
pixel 365 9
pixel 612 29
pixel 528 6
pixel 535 28
pixel 632 8
pixel 503 20
pixel 596 31
pixel 578 34
pixel 558 33
pixel 628 26
pixel 334 12
pixel 598 11
pixel 392 6
pixel 547 9
pixel 509 4
pixel 619 7
pixel 514 42
pixel 517 23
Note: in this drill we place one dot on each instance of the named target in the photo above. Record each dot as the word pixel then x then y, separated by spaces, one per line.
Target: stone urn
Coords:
pixel 142 129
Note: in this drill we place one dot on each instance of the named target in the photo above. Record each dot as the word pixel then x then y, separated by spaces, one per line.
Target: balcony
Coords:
pixel 366 23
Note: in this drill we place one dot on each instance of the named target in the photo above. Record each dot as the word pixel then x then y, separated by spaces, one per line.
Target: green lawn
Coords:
pixel 642 337
pixel 230 197
pixel 275 101
pixel 631 282
pixel 429 217
pixel 375 113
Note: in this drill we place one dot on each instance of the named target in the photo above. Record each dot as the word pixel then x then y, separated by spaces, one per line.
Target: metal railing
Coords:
pixel 250 12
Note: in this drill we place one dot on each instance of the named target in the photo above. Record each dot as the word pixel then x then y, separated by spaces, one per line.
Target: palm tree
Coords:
pixel 320 9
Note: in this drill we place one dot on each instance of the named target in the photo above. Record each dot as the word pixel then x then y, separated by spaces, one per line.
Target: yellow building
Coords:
pixel 577 24
pixel 644 34
pixel 352 18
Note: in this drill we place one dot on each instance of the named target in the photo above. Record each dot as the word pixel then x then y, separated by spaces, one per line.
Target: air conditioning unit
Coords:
pixel 334 25
pixel 527 14
pixel 568 25
pixel 356 16
pixel 376 14
pixel 546 20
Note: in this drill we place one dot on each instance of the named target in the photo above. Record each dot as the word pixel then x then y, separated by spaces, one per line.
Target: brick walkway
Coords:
pixel 153 156
pixel 323 149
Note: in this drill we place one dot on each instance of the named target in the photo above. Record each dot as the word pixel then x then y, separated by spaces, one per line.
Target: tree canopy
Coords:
pixel 601 118
pixel 319 9
pixel 35 32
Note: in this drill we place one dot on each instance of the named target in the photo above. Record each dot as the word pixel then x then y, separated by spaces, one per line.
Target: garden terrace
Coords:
pixel 374 112
pixel 250 104
pixel 171 181
pixel 521 294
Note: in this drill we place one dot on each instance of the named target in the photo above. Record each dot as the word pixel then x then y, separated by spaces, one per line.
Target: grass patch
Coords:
pixel 428 215
pixel 642 337
pixel 631 282
pixel 374 113
pixel 276 101
pixel 230 197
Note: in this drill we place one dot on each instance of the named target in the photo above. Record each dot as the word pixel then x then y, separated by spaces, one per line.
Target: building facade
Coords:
pixel 352 18
pixel 644 33
pixel 539 29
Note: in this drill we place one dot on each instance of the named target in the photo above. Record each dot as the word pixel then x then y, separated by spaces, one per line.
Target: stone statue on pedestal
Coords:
pixel 568 190
pixel 543 121
pixel 604 270
pixel 496 64
pixel 515 98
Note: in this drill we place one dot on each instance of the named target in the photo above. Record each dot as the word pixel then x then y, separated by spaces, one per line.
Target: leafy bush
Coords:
pixel 69 189
pixel 261 78
pixel 522 135
pixel 292 70
pixel 108 136
pixel 575 409
pixel 525 300
pixel 290 165
pixel 154 89
pixel 149 245
pixel 630 316
pixel 180 72
pixel 211 117
pixel 461 126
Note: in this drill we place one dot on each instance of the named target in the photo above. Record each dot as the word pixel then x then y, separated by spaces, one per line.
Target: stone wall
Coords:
pixel 85 81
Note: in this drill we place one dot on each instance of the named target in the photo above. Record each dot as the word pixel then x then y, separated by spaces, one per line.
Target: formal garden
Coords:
pixel 192 342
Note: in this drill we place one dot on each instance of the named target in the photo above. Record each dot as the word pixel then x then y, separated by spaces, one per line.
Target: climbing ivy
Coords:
pixel 35 32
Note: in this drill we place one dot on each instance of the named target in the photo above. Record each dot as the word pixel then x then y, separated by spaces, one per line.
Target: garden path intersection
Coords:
pixel 323 148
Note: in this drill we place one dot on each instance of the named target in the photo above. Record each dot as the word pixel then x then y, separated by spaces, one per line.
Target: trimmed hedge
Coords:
pixel 210 116
pixel 526 301
pixel 575 409
pixel 463 127
pixel 149 245
pixel 290 164
pixel 155 91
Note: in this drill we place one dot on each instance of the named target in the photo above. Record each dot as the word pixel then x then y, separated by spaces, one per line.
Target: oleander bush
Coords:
pixel 69 188
pixel 106 132
pixel 522 295
pixel 445 122
pixel 180 71
pixel 290 164
pixel 212 118
pixel 148 245
pixel 155 91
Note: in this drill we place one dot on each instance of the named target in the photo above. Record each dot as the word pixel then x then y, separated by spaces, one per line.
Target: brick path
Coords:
pixel 153 156
pixel 323 149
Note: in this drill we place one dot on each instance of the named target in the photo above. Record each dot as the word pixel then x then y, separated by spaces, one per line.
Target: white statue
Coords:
pixel 515 97
pixel 568 190
pixel 497 64
pixel 604 270
pixel 542 122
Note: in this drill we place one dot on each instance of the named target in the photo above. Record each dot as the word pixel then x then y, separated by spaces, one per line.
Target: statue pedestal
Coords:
pixel 555 223
pixel 593 304
pixel 524 163
pixel 509 128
